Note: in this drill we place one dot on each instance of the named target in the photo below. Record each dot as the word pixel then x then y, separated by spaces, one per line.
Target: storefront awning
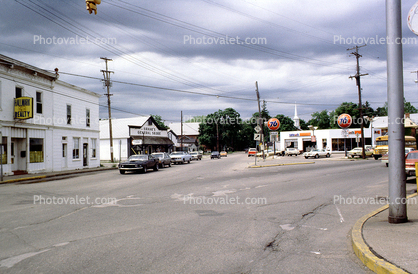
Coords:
pixel 155 141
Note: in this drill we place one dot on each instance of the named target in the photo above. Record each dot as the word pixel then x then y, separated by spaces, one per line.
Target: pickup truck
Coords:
pixel 180 157
pixel 316 153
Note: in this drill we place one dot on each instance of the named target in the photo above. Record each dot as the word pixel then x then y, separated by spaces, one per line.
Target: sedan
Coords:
pixel 140 162
pixel 223 154
pixel 196 155
pixel 410 160
pixel 316 153
pixel 163 157
pixel 215 154
pixel 358 151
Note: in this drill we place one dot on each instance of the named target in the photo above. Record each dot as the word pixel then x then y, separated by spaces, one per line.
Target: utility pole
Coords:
pixel 260 122
pixel 181 131
pixel 357 76
pixel 396 128
pixel 106 80
pixel 217 137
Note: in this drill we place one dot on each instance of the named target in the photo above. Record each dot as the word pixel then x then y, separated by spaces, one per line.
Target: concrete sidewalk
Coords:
pixel 51 175
pixel 385 247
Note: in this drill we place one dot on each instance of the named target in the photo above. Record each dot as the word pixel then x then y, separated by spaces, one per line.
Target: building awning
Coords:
pixel 147 140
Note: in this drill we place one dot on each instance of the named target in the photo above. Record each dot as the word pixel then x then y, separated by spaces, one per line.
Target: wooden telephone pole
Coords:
pixel 106 81
pixel 357 77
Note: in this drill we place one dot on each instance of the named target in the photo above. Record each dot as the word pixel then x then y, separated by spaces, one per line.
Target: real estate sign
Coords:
pixel 23 108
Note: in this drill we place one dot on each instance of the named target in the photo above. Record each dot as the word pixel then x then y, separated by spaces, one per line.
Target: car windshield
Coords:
pixel 177 153
pixel 215 152
pixel 138 157
pixel 158 155
pixel 193 153
pixel 412 156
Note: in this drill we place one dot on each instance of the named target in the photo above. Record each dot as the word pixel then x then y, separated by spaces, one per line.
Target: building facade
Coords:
pixel 137 135
pixel 46 124
pixel 332 139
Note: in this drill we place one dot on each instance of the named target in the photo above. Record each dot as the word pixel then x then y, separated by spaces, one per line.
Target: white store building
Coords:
pixel 47 125
pixel 332 139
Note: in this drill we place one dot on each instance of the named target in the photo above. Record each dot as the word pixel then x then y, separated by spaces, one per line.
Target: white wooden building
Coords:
pixel 136 135
pixel 47 124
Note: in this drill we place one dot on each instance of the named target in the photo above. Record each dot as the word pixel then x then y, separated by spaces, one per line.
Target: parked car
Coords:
pixel 139 162
pixel 358 151
pixel 292 151
pixel 163 157
pixel 316 153
pixel 410 159
pixel 215 154
pixel 223 153
pixel 180 157
pixel 252 152
pixel 196 155
pixel 385 158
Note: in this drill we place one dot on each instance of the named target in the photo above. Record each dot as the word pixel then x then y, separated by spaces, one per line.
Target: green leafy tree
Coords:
pixel 159 121
pixel 226 124
pixel 320 119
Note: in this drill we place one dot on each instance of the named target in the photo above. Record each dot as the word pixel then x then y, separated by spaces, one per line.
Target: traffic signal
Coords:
pixel 91 5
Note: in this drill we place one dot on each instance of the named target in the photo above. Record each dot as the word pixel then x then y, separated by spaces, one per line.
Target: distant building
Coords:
pixel 137 135
pixel 189 139
pixel 47 124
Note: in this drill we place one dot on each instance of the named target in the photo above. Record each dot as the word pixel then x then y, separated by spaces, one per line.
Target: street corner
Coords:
pixel 365 252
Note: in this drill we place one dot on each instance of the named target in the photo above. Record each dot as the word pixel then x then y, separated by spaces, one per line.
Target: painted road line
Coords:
pixel 289 164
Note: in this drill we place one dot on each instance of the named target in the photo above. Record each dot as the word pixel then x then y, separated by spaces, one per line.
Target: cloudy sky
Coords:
pixel 199 56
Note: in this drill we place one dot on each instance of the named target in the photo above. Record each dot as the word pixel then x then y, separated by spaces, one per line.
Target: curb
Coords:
pixel 53 175
pixel 362 250
pixel 289 164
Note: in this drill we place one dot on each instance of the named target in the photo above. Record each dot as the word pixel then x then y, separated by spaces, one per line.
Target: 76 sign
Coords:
pixel 273 124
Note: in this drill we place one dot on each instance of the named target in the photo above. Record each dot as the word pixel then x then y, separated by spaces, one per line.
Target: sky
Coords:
pixel 199 56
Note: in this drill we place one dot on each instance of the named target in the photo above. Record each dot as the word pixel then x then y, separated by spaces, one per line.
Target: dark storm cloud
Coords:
pixel 302 56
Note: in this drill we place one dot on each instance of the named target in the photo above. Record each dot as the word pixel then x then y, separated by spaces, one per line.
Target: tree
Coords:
pixel 320 119
pixel 409 108
pixel 224 123
pixel 286 124
pixel 159 121
pixel 303 125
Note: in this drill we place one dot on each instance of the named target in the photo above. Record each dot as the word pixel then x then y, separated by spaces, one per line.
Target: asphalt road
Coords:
pixel 210 216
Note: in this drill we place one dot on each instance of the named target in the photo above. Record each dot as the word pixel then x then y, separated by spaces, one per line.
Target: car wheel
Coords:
pixel 144 170
pixel 306 157
pixel 188 161
pixel 316 156
pixel 156 167
pixel 387 164
pixel 169 164
pixel 122 171
pixel 327 155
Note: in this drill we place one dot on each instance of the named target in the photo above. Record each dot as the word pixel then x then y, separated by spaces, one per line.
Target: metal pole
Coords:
pixel 260 123
pixel 396 129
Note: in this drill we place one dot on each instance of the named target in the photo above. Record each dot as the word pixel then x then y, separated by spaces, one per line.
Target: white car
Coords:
pixel 292 151
pixel 316 153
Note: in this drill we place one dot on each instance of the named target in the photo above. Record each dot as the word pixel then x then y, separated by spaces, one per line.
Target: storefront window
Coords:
pixel 36 148
pixel 93 148
pixel 4 156
pixel 76 148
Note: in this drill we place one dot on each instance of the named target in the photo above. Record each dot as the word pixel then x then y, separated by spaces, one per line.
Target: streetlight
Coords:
pixel 313 138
